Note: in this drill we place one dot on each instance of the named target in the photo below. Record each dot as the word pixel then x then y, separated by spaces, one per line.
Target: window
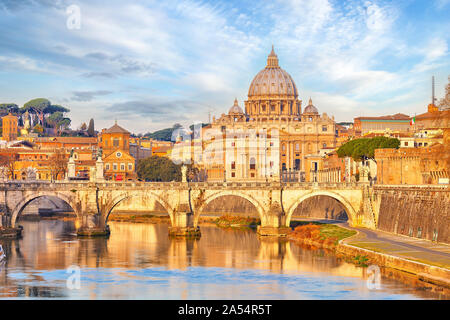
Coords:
pixel 115 166
pixel 130 167
pixel 115 142
pixel 107 166
pixel 297 146
pixel 272 108
pixel 252 164
pixel 406 144
pixel 324 145
pixel 284 147
pixel 252 175
pixel 297 164
pixel 122 167
pixel 233 174
pixel 233 165
pixel 324 128
pixel 315 167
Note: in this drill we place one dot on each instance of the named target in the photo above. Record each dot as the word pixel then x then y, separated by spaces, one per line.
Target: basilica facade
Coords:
pixel 272 136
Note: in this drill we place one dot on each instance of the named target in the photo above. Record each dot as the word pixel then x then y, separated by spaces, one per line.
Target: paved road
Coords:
pixel 403 246
pixel 426 251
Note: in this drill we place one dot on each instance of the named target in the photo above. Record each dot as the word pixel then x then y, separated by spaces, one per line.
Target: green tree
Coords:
pixel 5 108
pixel 91 129
pixel 157 168
pixel 58 121
pixel 42 107
pixel 164 134
pixel 364 148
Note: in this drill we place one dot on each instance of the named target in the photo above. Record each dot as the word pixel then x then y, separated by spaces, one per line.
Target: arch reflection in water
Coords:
pixel 141 261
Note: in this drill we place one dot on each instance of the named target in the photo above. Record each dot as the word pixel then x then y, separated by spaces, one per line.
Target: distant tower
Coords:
pixel 433 99
pixel 432 107
pixel 9 124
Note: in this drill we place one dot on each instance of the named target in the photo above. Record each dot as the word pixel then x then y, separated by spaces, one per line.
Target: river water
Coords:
pixel 140 261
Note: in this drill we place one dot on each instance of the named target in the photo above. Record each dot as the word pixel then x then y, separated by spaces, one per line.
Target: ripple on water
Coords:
pixel 141 262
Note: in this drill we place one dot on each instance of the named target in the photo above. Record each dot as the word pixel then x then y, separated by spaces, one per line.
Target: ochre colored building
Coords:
pixel 433 119
pixel 119 166
pixel 9 127
pixel 113 139
pixel 67 143
pixel 34 164
pixel 420 164
pixel 118 163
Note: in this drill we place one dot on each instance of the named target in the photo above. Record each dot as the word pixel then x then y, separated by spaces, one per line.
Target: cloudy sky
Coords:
pixel 150 64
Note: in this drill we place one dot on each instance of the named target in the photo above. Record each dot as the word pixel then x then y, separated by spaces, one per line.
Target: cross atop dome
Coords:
pixel 272 60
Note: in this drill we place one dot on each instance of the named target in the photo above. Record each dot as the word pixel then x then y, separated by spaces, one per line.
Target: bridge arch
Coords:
pixel 19 207
pixel 198 210
pixel 124 196
pixel 351 212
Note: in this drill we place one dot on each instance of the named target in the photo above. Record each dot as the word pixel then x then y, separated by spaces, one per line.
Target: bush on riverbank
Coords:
pixel 234 221
pixel 325 235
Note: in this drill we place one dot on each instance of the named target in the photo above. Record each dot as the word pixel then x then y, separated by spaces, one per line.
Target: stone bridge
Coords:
pixel 184 202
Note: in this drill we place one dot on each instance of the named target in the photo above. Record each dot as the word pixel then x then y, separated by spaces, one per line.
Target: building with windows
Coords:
pixel 394 123
pixel 427 161
pixel 9 127
pixel 271 136
pixel 119 164
pixel 114 138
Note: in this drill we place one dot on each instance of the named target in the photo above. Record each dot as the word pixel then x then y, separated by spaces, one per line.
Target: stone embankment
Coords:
pixel 424 272
pixel 420 212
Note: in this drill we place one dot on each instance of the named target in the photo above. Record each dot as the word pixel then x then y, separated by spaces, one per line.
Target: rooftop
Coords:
pixel 397 116
pixel 116 129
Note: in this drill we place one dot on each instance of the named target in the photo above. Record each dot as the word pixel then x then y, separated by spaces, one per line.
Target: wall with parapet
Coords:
pixel 420 212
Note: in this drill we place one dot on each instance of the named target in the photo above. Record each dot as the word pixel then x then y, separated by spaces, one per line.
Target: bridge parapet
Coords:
pixel 437 187
pixel 184 201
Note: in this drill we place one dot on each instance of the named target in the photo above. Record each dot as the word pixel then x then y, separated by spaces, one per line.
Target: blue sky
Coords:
pixel 150 64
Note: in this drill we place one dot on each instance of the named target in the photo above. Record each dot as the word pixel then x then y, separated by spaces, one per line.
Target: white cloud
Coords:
pixel 208 53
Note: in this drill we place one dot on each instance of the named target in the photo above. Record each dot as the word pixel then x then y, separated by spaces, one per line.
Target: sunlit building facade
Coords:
pixel 272 136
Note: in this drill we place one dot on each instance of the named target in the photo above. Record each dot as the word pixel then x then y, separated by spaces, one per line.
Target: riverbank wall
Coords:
pixel 424 272
pixel 415 211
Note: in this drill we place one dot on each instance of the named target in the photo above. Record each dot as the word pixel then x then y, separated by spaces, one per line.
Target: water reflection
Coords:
pixel 141 261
